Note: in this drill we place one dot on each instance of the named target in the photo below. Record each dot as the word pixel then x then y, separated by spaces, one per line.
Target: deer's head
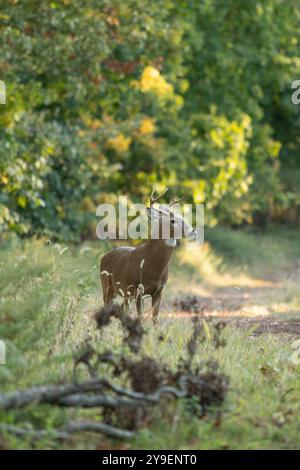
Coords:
pixel 166 224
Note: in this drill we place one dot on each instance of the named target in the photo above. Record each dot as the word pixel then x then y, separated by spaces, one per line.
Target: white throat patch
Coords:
pixel 172 242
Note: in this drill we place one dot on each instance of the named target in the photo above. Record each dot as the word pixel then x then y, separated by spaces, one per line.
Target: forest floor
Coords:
pixel 248 280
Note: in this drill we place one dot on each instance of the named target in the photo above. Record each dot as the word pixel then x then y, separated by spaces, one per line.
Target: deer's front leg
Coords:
pixel 139 304
pixel 156 298
pixel 125 305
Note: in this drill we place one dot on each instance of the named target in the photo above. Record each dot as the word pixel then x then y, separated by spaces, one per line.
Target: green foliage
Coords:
pixel 102 102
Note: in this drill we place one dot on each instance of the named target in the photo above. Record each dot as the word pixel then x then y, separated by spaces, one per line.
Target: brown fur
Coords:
pixel 124 266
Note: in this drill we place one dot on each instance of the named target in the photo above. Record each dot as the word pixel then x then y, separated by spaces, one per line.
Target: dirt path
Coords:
pixel 258 325
pixel 263 308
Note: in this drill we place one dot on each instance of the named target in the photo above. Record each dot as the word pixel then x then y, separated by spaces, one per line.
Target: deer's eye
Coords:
pixel 172 221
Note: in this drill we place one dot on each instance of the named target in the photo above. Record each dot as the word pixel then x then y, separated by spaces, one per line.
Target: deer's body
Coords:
pixel 135 272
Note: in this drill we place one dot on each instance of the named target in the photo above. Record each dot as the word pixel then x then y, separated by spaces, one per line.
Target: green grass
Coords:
pixel 47 299
pixel 259 253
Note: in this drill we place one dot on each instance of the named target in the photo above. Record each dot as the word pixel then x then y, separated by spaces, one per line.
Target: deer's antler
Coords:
pixel 176 201
pixel 155 199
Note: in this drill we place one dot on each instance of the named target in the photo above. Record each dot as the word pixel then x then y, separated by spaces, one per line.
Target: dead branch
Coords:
pixel 150 398
pixel 63 395
pixel 91 401
pixel 46 394
pixel 31 433
pixel 66 431
pixel 103 428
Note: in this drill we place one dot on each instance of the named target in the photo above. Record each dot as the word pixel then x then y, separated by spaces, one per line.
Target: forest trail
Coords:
pixel 262 305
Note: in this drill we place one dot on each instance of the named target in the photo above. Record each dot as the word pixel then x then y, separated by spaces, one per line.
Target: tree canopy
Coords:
pixel 112 97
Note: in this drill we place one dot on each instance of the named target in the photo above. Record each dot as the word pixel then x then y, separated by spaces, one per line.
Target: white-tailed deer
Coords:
pixel 136 272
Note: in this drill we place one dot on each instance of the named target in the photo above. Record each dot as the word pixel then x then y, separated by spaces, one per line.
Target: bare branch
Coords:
pixel 31 433
pixel 150 398
pixel 67 430
pixel 76 395
pixel 103 428
pixel 91 401
pixel 46 393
